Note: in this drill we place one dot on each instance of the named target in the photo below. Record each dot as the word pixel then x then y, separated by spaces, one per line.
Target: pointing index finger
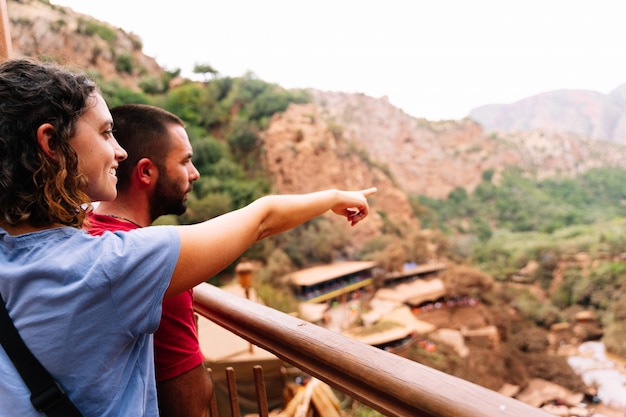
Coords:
pixel 370 191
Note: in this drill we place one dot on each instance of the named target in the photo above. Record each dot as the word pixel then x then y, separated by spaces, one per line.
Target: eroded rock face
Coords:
pixel 63 36
pixel 433 158
pixel 302 154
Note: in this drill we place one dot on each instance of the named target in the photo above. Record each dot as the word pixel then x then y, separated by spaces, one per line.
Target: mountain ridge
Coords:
pixel 434 157
pixel 583 112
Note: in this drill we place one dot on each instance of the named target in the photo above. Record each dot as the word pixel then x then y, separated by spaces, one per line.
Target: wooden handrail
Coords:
pixel 6 49
pixel 390 384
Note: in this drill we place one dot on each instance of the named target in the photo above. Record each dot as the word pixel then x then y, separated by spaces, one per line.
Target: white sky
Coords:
pixel 435 59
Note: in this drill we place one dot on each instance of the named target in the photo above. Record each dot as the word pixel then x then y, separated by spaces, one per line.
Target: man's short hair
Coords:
pixel 142 130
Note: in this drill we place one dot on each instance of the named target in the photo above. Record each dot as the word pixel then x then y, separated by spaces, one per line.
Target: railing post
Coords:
pixel 6 49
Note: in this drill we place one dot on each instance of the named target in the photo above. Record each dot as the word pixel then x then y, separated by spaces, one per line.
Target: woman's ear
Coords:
pixel 44 134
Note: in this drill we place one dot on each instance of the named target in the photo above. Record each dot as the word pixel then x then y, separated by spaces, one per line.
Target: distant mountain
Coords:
pixel 581 112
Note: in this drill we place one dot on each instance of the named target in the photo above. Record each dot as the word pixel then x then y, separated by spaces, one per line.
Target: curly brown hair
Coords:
pixel 35 189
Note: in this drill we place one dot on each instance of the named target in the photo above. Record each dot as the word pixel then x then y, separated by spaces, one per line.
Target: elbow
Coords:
pixel 262 232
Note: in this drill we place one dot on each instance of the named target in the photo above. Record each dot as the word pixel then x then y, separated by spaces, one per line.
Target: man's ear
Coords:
pixel 146 171
pixel 44 134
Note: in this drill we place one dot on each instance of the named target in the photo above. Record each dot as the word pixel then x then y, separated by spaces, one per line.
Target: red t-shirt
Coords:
pixel 176 345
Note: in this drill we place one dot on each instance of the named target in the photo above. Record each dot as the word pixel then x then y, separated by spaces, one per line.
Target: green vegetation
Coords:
pixel 522 204
pixel 503 228
pixel 57 25
pixel 93 28
pixel 204 69
pixel 223 117
pixel 124 64
pixel 521 219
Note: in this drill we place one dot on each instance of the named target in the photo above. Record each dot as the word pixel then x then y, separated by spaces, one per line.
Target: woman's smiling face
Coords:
pixel 98 152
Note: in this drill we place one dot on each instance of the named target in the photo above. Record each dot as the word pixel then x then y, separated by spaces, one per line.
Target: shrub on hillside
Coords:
pixel 466 280
pixel 614 338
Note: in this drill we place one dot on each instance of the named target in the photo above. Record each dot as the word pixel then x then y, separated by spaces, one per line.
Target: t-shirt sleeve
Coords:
pixel 142 266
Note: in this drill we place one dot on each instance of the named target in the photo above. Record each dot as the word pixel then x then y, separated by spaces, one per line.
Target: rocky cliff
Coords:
pixel 303 153
pixel 433 158
pixel 58 34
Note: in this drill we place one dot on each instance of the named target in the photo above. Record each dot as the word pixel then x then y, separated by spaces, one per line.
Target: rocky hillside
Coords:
pixel 433 158
pixel 585 113
pixel 303 152
pixel 58 34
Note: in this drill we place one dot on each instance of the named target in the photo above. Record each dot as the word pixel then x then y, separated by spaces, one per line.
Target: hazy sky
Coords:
pixel 436 59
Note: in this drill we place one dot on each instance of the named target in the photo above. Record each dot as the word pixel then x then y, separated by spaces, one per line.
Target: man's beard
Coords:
pixel 168 198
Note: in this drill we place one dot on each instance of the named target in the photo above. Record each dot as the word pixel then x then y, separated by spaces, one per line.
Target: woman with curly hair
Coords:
pixel 87 306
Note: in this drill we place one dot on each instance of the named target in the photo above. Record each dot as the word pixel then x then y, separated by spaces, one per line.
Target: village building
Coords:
pixel 332 282
pixel 344 297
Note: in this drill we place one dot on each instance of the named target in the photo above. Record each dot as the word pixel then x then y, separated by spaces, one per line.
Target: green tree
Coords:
pixel 184 101
pixel 116 95
pixel 204 69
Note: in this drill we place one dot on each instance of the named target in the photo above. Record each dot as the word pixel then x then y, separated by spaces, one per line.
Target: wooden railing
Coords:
pixel 390 384
pixel 6 49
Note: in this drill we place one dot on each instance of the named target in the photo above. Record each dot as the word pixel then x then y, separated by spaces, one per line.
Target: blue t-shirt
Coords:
pixel 87 307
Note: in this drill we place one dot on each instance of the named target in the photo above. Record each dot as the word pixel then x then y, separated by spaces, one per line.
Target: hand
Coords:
pixel 354 205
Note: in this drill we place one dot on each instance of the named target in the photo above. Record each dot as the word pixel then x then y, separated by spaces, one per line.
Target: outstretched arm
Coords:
pixel 208 247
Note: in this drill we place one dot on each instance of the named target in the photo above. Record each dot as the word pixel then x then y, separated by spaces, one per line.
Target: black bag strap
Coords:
pixel 47 395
